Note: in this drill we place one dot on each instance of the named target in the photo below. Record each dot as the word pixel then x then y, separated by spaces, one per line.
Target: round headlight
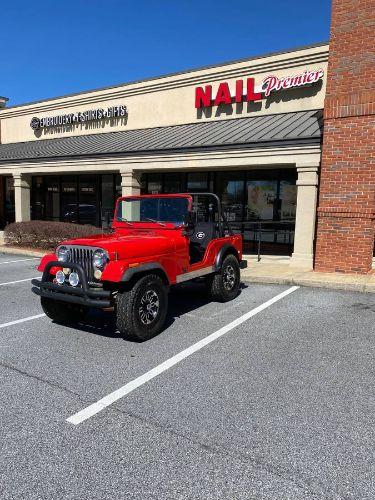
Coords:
pixel 62 254
pixel 100 259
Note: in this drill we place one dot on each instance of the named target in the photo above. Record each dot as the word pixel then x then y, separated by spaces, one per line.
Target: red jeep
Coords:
pixel 158 241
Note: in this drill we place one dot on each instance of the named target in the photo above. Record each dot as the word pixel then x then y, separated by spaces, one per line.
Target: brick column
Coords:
pixel 22 185
pixel 130 184
pixel 345 229
pixel 304 233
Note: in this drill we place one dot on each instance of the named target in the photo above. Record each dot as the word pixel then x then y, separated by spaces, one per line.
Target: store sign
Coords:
pixel 248 92
pixel 80 117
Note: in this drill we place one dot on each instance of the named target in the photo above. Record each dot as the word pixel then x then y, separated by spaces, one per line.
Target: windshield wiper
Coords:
pixel 156 221
pixel 121 219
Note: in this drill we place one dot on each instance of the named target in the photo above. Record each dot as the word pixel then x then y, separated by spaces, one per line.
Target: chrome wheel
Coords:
pixel 149 307
pixel 229 277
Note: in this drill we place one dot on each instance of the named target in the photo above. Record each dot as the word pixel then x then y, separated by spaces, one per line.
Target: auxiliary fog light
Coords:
pixel 73 279
pixel 60 277
pixel 97 274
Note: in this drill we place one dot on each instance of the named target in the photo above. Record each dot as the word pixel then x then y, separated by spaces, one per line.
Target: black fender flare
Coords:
pixel 222 253
pixel 131 272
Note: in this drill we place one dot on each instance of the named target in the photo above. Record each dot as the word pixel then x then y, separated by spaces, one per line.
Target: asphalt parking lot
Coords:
pixel 279 406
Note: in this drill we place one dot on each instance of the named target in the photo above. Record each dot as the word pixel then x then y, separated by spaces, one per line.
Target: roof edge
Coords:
pixel 279 143
pixel 316 110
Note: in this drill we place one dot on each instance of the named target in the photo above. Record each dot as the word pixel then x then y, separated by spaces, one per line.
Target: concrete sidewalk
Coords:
pixel 277 270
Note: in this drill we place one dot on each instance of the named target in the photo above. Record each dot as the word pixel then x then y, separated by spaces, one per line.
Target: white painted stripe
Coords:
pixel 23 320
pixel 21 260
pixel 18 281
pixel 111 398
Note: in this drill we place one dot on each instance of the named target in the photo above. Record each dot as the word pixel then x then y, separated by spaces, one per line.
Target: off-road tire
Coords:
pixel 224 285
pixel 63 312
pixel 133 320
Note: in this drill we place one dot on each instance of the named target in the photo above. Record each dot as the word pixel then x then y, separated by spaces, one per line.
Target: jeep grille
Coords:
pixel 83 256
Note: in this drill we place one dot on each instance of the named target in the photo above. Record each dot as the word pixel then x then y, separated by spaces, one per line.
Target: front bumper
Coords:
pixel 84 295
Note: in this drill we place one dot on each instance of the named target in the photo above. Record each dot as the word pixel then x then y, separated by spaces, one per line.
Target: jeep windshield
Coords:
pixel 154 210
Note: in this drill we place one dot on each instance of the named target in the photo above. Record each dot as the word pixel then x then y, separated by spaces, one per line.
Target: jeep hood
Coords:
pixel 132 245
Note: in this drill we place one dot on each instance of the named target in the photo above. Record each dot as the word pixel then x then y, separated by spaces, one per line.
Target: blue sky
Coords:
pixel 51 48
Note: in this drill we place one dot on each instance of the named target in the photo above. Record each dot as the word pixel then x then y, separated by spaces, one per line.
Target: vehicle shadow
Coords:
pixel 184 299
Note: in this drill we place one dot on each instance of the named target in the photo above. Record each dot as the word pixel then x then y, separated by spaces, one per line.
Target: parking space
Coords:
pixel 281 405
pixel 14 268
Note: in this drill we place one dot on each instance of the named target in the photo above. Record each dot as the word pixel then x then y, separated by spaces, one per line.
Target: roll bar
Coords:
pixel 222 217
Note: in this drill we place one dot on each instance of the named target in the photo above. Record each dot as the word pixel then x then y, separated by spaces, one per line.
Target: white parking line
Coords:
pixel 21 260
pixel 111 398
pixel 23 320
pixel 18 281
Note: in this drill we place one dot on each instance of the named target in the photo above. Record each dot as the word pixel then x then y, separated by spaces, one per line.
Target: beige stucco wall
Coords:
pixel 170 100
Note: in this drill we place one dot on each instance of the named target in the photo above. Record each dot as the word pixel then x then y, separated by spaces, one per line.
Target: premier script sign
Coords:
pixel 246 91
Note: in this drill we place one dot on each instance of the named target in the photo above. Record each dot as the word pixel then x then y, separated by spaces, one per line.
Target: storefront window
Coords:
pixel 69 198
pixel 288 200
pixel 230 189
pixel 52 194
pixel 261 200
pixel 155 184
pixel 82 199
pixel 261 211
pixel 89 204
pixel 9 209
pixel 197 182
pixel 173 183
pixel 118 188
pixel 37 198
pixel 108 200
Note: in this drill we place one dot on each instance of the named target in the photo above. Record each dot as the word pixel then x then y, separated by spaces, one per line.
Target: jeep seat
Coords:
pixel 203 233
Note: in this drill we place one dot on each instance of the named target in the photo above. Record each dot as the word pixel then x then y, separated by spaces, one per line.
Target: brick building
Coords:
pixel 346 212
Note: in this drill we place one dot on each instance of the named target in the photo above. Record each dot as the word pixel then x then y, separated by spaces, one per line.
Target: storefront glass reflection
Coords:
pixel 7 206
pixel 197 182
pixel 82 199
pixel 52 200
pixel 9 199
pixel 230 190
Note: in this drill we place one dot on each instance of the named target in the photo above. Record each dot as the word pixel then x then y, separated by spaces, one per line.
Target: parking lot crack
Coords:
pixel 225 452
pixel 42 380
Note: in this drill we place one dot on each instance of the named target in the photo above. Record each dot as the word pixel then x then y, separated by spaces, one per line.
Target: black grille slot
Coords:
pixel 83 256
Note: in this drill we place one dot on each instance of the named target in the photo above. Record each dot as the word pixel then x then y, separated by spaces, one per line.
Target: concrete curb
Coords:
pixel 355 286
pixel 4 249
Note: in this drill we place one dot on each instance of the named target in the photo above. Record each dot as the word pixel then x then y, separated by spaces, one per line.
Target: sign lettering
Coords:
pixel 80 117
pixel 204 97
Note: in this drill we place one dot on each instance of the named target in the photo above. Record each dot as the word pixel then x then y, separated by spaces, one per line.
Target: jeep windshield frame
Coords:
pixel 163 210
